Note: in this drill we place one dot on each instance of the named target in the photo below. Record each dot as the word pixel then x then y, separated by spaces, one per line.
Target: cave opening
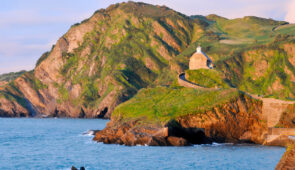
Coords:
pixel 192 135
pixel 103 113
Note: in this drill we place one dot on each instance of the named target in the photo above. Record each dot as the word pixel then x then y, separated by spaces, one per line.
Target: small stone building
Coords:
pixel 200 60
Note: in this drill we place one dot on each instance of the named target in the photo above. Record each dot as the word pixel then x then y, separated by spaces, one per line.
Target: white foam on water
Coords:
pixel 214 144
pixel 88 133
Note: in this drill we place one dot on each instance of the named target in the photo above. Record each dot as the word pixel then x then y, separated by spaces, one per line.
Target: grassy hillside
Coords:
pixel 104 60
pixel 11 76
pixel 162 104
pixel 206 78
pixel 266 70
pixel 137 51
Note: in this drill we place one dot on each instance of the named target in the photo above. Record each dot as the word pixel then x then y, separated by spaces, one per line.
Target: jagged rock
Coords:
pixel 287 162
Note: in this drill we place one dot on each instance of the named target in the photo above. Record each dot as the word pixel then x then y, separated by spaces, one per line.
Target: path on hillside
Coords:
pixel 271 108
pixel 185 83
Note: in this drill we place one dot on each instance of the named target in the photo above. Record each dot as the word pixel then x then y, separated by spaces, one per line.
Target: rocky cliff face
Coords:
pixel 267 71
pixel 237 121
pixel 104 60
pixel 288 159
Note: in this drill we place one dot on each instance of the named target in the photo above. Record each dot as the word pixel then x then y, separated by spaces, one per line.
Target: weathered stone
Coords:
pixel 176 141
pixel 287 162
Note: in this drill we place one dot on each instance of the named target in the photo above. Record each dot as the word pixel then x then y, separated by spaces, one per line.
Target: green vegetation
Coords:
pixel 136 45
pixel 206 78
pixel 286 29
pixel 11 76
pixel 262 71
pixel 162 104
pixel 63 93
pixel 12 93
pixel 90 93
pixel 35 83
pixel 42 58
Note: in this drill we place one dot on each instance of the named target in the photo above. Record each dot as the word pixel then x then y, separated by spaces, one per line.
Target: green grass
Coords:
pixel 274 72
pixel 125 53
pixel 286 29
pixel 63 93
pixel 162 104
pixel 12 93
pixel 35 83
pixel 206 78
pixel 255 29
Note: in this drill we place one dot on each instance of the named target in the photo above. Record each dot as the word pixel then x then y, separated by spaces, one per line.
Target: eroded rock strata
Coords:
pixel 104 60
pixel 237 121
pixel 287 162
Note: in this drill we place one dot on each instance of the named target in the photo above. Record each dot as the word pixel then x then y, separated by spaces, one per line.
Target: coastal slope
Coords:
pixel 182 116
pixel 104 60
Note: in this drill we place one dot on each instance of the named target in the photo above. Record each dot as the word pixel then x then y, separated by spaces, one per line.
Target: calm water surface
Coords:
pixel 59 144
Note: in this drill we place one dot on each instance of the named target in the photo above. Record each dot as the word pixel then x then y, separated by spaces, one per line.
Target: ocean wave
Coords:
pixel 89 133
pixel 214 144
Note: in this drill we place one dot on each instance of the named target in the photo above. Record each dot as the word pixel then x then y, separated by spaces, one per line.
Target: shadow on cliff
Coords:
pixel 192 135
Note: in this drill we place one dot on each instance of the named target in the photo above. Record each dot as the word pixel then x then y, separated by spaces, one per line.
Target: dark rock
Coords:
pixel 176 141
pixel 74 168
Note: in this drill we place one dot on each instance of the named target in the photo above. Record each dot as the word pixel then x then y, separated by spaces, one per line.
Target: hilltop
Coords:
pixel 106 59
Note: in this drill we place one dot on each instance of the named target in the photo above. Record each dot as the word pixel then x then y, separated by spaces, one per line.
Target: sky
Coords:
pixel 29 28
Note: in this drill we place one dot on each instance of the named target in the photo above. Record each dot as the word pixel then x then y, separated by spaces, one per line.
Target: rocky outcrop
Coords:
pixel 10 108
pixel 237 121
pixel 103 61
pixel 287 162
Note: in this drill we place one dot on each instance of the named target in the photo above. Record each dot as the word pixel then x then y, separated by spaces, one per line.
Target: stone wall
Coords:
pixel 281 131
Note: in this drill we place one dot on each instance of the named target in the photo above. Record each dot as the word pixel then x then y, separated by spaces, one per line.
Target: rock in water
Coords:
pixel 74 168
pixel 288 159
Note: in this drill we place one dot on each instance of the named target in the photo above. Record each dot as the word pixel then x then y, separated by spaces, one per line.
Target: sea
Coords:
pixel 29 143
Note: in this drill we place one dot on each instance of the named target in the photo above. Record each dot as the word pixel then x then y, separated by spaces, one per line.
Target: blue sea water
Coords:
pixel 59 144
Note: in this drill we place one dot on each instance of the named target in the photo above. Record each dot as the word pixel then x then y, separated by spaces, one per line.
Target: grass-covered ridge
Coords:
pixel 206 78
pixel 162 104
pixel 130 46
pixel 11 76
pixel 265 70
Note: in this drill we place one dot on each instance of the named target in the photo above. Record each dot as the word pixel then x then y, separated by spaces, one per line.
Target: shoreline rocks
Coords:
pixel 238 121
pixel 288 159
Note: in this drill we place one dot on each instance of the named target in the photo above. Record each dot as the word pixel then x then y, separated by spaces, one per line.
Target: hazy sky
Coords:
pixel 30 27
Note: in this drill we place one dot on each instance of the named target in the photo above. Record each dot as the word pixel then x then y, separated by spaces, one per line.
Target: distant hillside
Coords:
pixel 104 60
pixel 11 76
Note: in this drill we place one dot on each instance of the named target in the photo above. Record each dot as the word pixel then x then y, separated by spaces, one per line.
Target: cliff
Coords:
pixel 200 116
pixel 288 159
pixel 104 60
